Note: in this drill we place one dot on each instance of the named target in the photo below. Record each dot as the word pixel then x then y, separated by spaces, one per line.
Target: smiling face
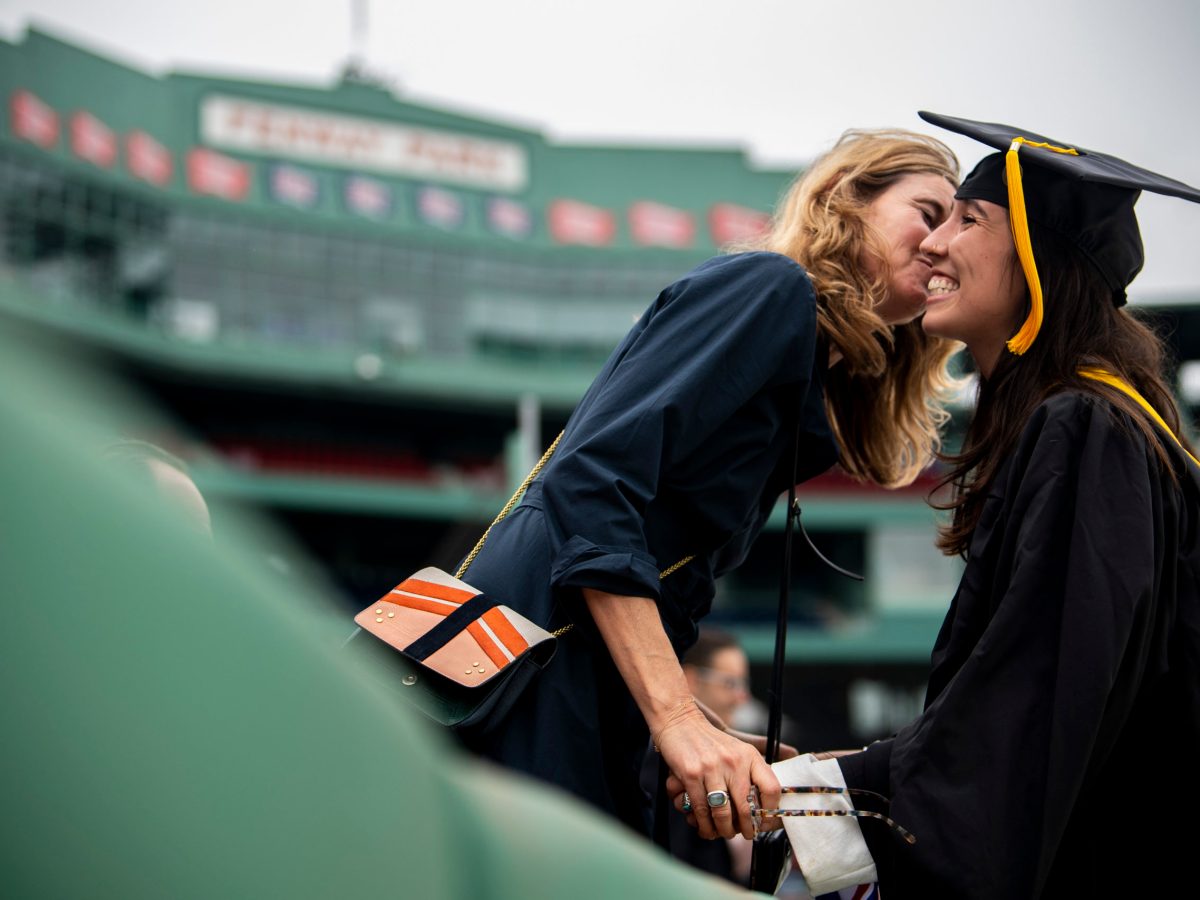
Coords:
pixel 904 215
pixel 976 291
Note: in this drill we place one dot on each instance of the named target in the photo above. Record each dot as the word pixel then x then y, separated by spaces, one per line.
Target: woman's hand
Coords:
pixel 703 759
pixel 834 754
pixel 759 743
pixel 675 785
pixel 703 755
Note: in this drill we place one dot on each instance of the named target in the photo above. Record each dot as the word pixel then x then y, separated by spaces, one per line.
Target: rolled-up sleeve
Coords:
pixel 709 343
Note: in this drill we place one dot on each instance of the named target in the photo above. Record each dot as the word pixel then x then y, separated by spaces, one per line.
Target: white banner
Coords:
pixel 354 142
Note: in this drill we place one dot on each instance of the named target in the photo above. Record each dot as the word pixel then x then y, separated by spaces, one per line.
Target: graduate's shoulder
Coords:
pixel 1075 412
pixel 1071 419
pixel 1098 419
pixel 1074 437
pixel 1071 406
pixel 757 276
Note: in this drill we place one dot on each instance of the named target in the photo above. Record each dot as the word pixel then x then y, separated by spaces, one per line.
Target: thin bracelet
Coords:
pixel 671 712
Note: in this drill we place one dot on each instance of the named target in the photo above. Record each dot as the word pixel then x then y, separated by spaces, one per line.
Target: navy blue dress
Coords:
pixel 681 446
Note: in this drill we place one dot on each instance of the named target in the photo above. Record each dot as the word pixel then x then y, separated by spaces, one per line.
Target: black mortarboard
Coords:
pixel 1083 196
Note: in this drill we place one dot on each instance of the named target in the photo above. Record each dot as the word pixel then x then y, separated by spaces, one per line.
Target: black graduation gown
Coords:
pixel 1059 750
pixel 681 446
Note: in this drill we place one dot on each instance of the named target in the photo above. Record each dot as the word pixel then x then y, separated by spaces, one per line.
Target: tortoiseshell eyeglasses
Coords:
pixel 757 814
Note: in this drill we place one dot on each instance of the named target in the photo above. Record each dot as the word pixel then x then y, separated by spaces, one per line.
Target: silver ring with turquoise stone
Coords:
pixel 717 799
pixel 687 802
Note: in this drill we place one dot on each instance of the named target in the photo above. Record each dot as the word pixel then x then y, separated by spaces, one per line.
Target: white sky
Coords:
pixel 781 78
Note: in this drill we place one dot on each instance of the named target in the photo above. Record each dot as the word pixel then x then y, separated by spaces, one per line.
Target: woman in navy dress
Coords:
pixel 682 446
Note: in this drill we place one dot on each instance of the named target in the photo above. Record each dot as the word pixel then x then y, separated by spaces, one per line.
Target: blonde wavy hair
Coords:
pixel 884 399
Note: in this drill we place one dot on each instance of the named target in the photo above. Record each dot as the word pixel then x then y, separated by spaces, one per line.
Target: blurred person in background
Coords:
pixel 167 475
pixel 718 672
pixel 755 370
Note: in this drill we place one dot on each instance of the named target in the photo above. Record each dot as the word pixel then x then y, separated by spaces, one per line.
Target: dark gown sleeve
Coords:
pixel 708 344
pixel 1047 642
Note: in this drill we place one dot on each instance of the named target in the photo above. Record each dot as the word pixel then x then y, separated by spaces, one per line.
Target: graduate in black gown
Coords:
pixel 681 448
pixel 1059 750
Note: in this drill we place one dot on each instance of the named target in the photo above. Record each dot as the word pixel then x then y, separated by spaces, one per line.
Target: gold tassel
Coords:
pixel 1023 339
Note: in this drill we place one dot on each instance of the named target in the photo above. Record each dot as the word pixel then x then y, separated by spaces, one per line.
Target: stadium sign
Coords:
pixel 657 225
pixel 440 207
pixel 731 223
pixel 217 175
pixel 367 197
pixel 33 120
pixel 293 186
pixel 358 142
pixel 147 159
pixel 573 222
pixel 92 140
pixel 509 218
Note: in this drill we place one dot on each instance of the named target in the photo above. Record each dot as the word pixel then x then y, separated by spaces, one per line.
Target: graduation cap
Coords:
pixel 1083 196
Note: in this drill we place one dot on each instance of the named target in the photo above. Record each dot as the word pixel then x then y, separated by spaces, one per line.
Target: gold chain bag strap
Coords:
pixel 465 656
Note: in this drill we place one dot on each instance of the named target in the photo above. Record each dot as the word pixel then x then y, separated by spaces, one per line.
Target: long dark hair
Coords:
pixel 1081 327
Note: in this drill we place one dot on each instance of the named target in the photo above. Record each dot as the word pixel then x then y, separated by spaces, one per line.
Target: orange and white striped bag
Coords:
pixel 466 657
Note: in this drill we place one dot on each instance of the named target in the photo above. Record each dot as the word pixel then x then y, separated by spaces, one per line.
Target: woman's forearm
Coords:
pixel 708 762
pixel 638 644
